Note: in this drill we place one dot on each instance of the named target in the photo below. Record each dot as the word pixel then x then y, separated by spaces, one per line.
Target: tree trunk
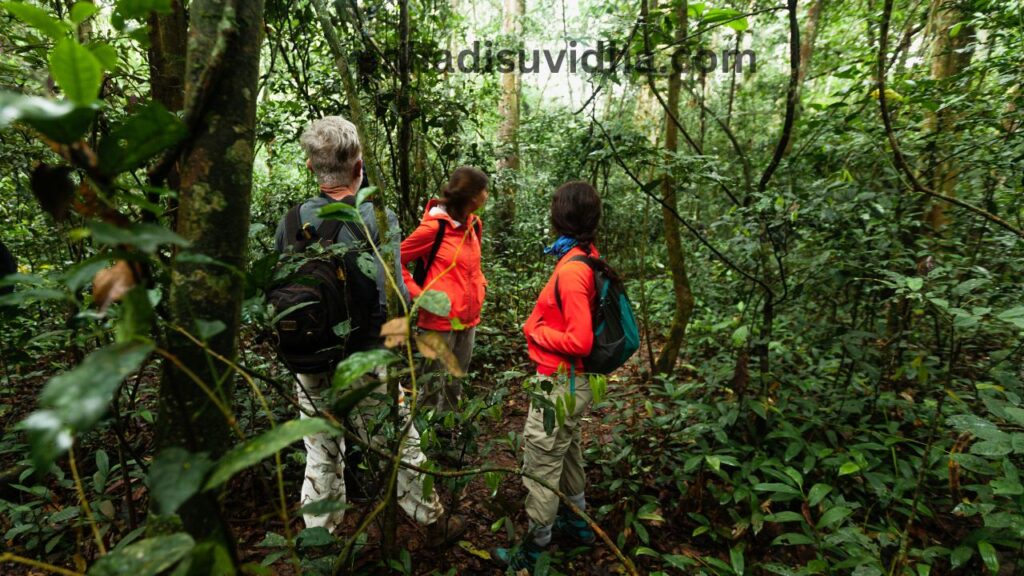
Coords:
pixel 806 49
pixel 216 184
pixel 168 37
pixel 676 258
pixel 355 108
pixel 508 131
pixel 948 60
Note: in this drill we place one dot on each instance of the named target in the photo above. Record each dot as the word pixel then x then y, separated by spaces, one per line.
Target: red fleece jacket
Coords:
pixel 463 282
pixel 555 338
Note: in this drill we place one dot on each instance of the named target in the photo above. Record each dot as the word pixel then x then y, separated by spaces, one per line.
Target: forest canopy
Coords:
pixel 815 207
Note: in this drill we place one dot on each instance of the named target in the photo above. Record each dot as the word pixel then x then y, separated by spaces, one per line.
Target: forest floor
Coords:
pixel 251 510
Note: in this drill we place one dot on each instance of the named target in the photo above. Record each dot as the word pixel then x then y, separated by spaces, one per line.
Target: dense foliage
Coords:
pixel 847 398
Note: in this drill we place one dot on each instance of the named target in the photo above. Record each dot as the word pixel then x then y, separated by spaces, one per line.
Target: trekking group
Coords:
pixel 332 307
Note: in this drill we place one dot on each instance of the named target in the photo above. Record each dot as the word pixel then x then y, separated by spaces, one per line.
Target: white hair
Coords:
pixel 332 146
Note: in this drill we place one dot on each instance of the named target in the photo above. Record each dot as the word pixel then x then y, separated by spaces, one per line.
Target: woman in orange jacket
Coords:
pixel 447 244
pixel 559 333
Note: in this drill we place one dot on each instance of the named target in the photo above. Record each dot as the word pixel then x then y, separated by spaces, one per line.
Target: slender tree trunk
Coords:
pixel 806 49
pixel 508 131
pixel 355 108
pixel 168 37
pixel 949 58
pixel 216 184
pixel 676 258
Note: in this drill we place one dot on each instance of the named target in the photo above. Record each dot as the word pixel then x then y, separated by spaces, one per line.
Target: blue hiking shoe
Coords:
pixel 523 556
pixel 573 527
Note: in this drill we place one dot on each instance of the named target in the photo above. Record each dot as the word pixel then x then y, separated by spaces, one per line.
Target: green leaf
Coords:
pixel 357 364
pixel 175 476
pixel 435 302
pixel 993 448
pixel 817 493
pixel 849 468
pixel 1014 316
pixel 325 506
pixel 106 54
pixel 975 425
pixel 792 539
pixel 140 9
pixel 145 237
pixel 784 516
pixel 75 400
pixel 265 445
pixel 76 71
pixel 143 135
pixel 833 516
pixel 778 488
pixel 61 121
pixel 364 194
pixel 82 11
pixel 37 18
pixel 736 559
pixel 989 556
pixel 342 211
pixel 207 329
pixel 960 556
pixel 146 558
pixel 915 283
pixel 136 315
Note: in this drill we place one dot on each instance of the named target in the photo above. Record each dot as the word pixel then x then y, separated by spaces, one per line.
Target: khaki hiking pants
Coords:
pixel 325 463
pixel 442 391
pixel 557 458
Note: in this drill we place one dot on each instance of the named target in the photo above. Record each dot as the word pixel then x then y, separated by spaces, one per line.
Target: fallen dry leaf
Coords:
pixel 433 346
pixel 395 331
pixel 110 284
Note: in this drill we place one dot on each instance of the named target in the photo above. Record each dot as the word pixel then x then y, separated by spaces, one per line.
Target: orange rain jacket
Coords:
pixel 464 283
pixel 557 338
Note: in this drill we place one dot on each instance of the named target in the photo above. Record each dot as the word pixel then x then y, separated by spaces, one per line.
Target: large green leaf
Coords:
pixel 145 237
pixel 359 363
pixel 265 445
pixel 146 558
pixel 436 302
pixel 61 121
pixel 75 400
pixel 76 70
pixel 143 135
pixel 175 476
pixel 37 18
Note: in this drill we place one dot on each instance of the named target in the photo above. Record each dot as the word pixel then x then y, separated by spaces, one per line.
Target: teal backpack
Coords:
pixel 616 336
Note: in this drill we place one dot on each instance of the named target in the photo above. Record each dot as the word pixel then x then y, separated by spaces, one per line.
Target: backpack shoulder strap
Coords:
pixel 292 226
pixel 442 227
pixel 588 260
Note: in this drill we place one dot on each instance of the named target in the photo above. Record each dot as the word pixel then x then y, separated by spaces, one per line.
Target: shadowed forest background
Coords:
pixel 824 249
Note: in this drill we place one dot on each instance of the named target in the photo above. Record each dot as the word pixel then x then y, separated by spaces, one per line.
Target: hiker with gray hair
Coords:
pixel 334 156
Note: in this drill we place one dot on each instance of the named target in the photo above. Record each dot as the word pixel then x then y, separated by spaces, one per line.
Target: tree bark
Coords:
pixel 948 59
pixel 676 258
pixel 806 50
pixel 508 131
pixel 168 36
pixel 216 184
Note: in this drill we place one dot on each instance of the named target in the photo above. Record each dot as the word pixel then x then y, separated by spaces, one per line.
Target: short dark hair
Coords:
pixel 576 211
pixel 465 184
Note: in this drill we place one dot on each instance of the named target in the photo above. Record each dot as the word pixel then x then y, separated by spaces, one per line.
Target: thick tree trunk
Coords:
pixel 948 60
pixel 508 131
pixel 676 258
pixel 216 183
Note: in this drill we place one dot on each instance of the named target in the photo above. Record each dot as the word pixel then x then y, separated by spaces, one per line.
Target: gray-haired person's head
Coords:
pixel 333 150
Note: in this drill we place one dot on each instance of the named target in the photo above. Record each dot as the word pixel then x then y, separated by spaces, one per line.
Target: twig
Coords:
pixel 8 557
pixel 85 501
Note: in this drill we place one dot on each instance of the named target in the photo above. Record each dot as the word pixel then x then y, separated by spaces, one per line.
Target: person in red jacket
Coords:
pixel 559 333
pixel 447 242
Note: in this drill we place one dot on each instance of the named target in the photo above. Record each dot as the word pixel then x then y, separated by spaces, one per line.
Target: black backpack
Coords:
pixel 329 307
pixel 419 274
pixel 616 335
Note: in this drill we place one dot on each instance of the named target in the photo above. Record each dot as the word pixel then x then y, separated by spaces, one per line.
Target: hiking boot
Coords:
pixel 573 527
pixel 524 556
pixel 446 531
